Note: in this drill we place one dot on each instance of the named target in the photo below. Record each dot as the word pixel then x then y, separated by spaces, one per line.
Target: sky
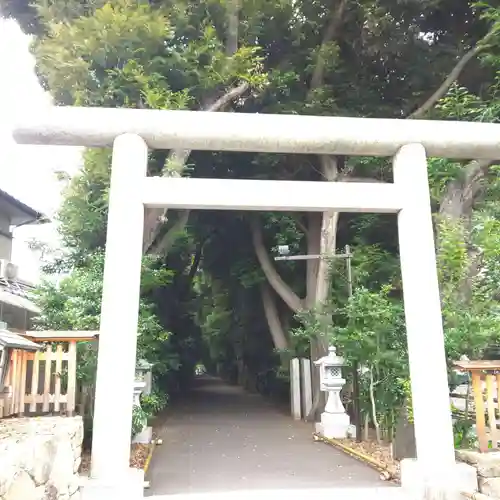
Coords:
pixel 28 172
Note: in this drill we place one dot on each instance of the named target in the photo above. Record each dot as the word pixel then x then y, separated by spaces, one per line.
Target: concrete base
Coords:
pixel 143 437
pixel 333 425
pixel 128 487
pixel 351 431
pixel 443 485
pixel 350 493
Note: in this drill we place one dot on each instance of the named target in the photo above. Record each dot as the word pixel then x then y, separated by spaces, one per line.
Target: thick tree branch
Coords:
pixel 176 161
pixel 461 193
pixel 155 218
pixel 196 262
pixel 328 36
pixel 313 248
pixel 233 22
pixel 457 207
pixel 273 319
pixel 318 75
pixel 300 224
pixel 162 244
pixel 280 287
pixel 451 78
pixel 228 97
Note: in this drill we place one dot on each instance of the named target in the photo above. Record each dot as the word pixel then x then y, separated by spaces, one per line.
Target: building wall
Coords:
pixel 15 317
pixel 5 241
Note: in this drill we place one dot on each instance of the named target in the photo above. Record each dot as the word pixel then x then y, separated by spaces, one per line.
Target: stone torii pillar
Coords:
pixel 111 474
pixel 435 475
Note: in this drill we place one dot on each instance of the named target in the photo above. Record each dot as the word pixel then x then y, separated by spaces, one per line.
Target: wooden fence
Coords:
pixel 485 377
pixel 45 381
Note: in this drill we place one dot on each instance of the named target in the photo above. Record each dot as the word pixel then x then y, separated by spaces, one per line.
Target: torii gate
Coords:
pixel 132 132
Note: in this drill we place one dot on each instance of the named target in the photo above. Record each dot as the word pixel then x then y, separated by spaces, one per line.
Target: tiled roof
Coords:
pixel 16 341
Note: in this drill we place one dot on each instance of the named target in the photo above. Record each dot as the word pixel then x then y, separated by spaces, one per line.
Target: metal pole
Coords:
pixel 355 367
pixel 314 256
pixel 347 255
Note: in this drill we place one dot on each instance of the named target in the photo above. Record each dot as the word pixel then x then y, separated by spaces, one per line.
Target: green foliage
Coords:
pixel 374 330
pixel 406 385
pixel 153 403
pixel 214 318
pixel 369 333
pixel 83 213
pixel 74 303
pixel 139 420
pixel 441 172
pixel 460 104
pixel 463 434
pixel 126 53
pixel 471 313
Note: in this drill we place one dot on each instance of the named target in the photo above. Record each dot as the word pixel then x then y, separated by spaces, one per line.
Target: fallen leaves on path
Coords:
pixel 138 456
pixel 379 452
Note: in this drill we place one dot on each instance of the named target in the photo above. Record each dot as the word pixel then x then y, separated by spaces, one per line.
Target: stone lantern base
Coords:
pixel 333 425
pixel 143 437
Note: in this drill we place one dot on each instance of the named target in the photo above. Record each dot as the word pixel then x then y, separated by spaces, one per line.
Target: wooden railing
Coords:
pixel 44 381
pixel 485 377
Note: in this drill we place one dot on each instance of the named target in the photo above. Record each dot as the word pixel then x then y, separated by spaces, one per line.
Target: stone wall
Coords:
pixel 40 457
pixel 488 470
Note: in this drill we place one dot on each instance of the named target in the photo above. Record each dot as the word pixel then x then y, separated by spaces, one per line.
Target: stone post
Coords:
pixel 306 386
pixel 295 388
pixel 119 316
pixel 146 433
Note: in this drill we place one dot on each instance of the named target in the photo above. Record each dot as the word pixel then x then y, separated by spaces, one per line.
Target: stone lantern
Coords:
pixel 143 373
pixel 334 420
pixel 142 384
pixel 138 389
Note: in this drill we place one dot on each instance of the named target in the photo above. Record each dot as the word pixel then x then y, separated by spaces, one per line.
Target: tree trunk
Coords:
pixel 327 244
pixel 233 21
pixel 366 429
pixel 320 237
pixel 280 339
pixel 288 296
pixel 374 408
pixel 457 207
pixel 313 248
pixel 461 194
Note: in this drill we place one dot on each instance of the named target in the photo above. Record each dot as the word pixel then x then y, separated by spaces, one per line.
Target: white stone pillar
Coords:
pixel 119 313
pixel 295 388
pixel 429 381
pixel 306 386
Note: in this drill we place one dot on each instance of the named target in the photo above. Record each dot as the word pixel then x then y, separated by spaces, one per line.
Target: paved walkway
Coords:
pixel 222 439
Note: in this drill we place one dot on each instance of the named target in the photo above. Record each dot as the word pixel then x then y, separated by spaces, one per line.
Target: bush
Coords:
pixel 153 403
pixel 139 420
